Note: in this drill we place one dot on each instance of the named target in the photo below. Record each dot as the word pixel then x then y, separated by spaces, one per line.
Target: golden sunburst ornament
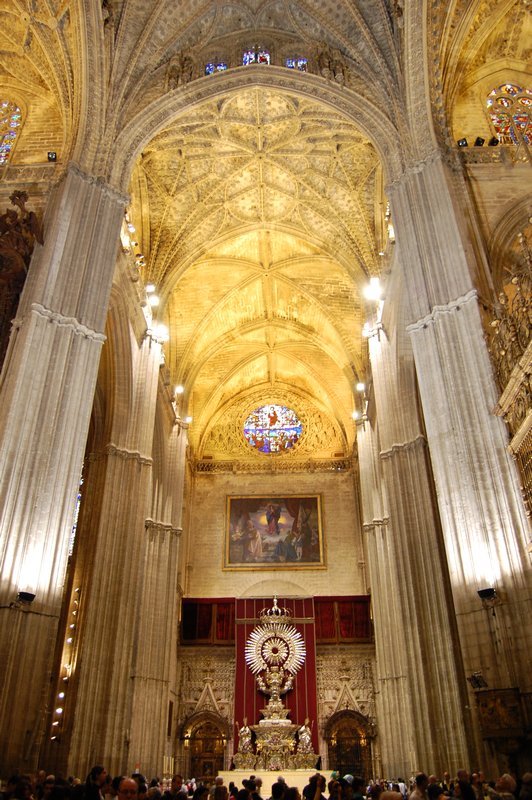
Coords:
pixel 276 644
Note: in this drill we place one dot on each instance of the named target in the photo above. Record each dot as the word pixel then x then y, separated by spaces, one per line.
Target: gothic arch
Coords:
pixel 348 735
pixel 368 117
pixel 199 718
pixel 514 220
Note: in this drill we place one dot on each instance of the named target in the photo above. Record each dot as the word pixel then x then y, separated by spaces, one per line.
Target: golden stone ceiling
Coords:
pixel 258 225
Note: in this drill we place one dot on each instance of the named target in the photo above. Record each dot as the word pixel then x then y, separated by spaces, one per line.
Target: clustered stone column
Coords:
pixel 46 393
pixel 418 662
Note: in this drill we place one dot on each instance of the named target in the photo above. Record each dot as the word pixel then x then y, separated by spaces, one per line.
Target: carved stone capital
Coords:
pixel 62 322
pixel 154 526
pixel 439 311
pixel 128 455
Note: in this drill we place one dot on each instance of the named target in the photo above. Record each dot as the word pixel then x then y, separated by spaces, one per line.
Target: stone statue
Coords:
pixel 180 71
pixel 244 738
pixel 304 738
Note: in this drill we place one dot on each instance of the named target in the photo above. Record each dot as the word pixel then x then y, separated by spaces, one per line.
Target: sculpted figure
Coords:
pixel 304 738
pixel 244 738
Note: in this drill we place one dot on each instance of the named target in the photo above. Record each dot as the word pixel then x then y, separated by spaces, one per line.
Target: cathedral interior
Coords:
pixel 265 292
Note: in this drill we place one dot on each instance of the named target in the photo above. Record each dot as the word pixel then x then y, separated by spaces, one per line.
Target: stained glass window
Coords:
pixel 215 66
pixel 10 119
pixel 297 63
pixel 255 57
pixel 272 429
pixel 510 110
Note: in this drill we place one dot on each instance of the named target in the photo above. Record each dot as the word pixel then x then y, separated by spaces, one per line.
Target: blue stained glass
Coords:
pixel 10 119
pixel 514 125
pixel 272 429
pixel 297 63
pixel 255 57
pixel 215 66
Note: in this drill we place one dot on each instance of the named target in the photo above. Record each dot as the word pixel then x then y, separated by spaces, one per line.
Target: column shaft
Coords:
pixel 46 391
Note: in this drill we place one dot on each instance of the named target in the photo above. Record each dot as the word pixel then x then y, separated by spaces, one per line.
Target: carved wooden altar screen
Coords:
pixel 302 699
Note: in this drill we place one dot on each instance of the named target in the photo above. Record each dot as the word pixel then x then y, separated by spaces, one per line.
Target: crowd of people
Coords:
pixel 99 785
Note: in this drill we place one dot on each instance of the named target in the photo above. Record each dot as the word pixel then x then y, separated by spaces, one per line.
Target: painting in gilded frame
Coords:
pixel 274 533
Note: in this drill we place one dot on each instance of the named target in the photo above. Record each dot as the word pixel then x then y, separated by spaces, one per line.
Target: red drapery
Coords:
pixel 302 699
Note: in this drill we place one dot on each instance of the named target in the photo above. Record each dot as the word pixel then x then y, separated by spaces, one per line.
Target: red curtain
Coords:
pixel 302 699
pixel 325 620
pixel 225 621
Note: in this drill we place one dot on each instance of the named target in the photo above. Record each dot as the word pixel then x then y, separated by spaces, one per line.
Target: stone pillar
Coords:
pixel 46 393
pixel 484 524
pixel 394 706
pixel 110 637
pixel 411 571
pixel 158 615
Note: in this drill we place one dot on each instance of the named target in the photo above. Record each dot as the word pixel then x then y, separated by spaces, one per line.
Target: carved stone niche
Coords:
pixel 19 230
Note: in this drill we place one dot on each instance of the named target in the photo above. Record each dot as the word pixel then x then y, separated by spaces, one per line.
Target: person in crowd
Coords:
pixel 127 789
pixel 314 789
pixel 292 793
pixel 220 792
pixel 420 787
pixel 434 788
pixel 177 790
pixel 504 789
pixel 278 790
pixel 357 786
pixel 463 787
pixel 334 789
pixel 201 793
pixel 92 789
pixel 218 781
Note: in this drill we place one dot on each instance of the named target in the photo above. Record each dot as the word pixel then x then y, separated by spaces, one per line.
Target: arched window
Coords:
pixel 215 66
pixel 272 429
pixel 10 119
pixel 300 64
pixel 255 56
pixel 510 110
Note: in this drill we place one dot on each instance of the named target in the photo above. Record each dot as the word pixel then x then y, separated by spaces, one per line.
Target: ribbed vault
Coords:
pixel 260 216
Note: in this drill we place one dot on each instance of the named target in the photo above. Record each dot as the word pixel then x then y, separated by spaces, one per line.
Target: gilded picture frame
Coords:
pixel 273 533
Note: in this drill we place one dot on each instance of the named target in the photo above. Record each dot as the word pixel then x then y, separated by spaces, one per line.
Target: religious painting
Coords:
pixel 274 533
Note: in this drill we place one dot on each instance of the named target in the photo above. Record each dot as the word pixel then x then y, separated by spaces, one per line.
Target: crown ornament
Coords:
pixel 275 643
pixel 276 613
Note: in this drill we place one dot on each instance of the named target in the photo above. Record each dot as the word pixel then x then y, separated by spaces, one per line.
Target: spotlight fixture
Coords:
pixel 373 290
pixel 52 156
pixel 493 142
pixel 25 597
pixel 462 142
pixel 479 141
pixel 487 594
pixel 360 387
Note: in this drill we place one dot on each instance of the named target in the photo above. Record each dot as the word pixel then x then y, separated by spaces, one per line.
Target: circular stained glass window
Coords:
pixel 272 429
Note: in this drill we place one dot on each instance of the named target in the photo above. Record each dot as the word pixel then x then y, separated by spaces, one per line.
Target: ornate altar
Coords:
pixel 275 651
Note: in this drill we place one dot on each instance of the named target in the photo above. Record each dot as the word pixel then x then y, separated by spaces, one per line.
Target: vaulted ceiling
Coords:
pixel 261 213
pixel 261 235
